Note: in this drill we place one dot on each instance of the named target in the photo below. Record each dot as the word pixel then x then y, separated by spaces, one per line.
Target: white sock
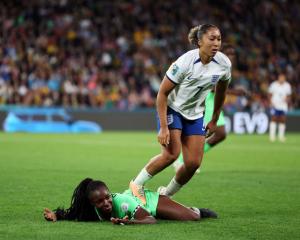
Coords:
pixel 281 131
pixel 273 127
pixel 173 187
pixel 142 177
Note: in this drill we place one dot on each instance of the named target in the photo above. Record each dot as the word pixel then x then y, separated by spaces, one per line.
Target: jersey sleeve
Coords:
pixel 226 63
pixel 125 205
pixel 177 71
pixel 227 75
pixel 271 89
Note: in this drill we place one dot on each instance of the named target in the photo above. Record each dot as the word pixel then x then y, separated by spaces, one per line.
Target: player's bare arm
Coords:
pixel 220 94
pixel 165 88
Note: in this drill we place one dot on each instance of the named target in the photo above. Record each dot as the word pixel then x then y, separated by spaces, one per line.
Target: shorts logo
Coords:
pixel 170 119
pixel 124 207
pixel 214 79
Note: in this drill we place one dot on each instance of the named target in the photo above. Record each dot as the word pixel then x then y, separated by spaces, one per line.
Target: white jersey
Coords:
pixel 194 81
pixel 279 93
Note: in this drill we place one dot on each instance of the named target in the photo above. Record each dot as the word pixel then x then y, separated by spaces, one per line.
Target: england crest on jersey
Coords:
pixel 214 79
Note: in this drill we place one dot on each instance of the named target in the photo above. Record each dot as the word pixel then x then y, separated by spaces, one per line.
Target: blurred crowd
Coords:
pixel 113 54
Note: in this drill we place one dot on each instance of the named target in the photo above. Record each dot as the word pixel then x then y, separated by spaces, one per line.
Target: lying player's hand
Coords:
pixel 164 136
pixel 120 221
pixel 210 128
pixel 49 215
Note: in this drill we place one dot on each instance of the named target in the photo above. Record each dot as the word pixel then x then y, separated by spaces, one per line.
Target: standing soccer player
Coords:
pixel 220 133
pixel 180 107
pixel 280 92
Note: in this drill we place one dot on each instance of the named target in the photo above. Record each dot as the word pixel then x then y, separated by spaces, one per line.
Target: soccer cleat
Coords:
pixel 162 190
pixel 138 191
pixel 207 213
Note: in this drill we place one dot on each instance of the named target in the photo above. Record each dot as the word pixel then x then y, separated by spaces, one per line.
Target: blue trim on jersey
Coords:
pixel 188 127
pixel 214 60
pixel 197 61
pixel 171 79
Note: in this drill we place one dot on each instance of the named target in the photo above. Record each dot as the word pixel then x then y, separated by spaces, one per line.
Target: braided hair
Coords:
pixel 81 209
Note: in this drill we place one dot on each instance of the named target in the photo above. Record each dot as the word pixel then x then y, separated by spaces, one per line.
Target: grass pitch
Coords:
pixel 253 184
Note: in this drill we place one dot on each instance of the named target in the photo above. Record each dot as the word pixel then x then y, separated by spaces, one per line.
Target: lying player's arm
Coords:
pixel 50 215
pixel 141 216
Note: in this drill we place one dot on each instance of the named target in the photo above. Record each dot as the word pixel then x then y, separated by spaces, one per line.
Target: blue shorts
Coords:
pixel 277 113
pixel 188 127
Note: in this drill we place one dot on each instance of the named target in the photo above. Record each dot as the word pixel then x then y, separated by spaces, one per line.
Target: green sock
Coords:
pixel 207 147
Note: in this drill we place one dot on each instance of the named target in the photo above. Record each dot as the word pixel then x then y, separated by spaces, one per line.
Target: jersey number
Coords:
pixel 198 93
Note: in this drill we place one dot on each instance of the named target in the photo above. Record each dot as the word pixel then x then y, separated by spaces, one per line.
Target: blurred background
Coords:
pixel 96 58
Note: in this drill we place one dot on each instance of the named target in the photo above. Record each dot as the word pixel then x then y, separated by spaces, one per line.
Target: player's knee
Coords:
pixel 171 156
pixel 192 166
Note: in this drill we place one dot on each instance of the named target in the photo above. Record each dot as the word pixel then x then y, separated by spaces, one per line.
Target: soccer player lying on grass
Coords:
pixel 92 201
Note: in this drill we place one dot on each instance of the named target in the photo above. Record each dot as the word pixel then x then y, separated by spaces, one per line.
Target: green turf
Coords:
pixel 254 186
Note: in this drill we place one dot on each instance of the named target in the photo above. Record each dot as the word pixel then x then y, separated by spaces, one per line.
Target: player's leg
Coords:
pixel 216 138
pixel 167 156
pixel 192 140
pixel 281 127
pixel 171 210
pixel 192 154
pixel 192 151
pixel 273 125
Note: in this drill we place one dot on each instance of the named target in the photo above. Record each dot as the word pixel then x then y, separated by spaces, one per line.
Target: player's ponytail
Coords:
pixel 80 209
pixel 196 33
pixel 193 39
